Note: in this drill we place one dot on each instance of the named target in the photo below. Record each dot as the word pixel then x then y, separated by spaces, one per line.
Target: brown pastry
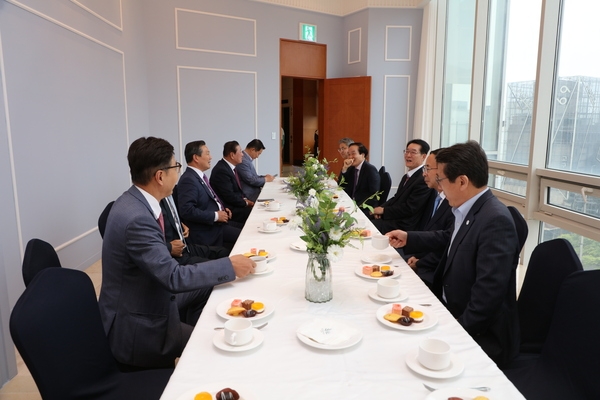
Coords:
pixel 406 311
pixel 247 304
pixel 227 394
pixel 405 321
pixel 375 268
pixel 249 313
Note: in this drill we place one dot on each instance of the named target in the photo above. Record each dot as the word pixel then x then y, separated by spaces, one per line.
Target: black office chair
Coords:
pixel 551 262
pixel 38 256
pixel 385 184
pixel 570 359
pixel 103 218
pixel 520 225
pixel 57 329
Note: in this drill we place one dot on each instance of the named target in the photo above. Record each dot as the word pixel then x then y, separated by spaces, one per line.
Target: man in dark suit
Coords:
pixel 176 235
pixel 252 183
pixel 476 277
pixel 144 290
pixel 405 209
pixel 360 179
pixel 226 183
pixel 199 207
pixel 438 222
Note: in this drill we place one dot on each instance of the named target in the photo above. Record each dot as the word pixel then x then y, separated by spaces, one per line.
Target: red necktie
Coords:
pixel 237 178
pixel 356 171
pixel 161 222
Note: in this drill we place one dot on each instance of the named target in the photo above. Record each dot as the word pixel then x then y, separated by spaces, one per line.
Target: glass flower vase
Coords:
pixel 318 278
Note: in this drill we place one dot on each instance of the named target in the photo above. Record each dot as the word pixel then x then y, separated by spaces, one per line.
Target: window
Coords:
pixel 588 250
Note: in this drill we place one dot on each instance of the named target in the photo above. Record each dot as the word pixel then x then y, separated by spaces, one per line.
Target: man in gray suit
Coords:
pixel 144 290
pixel 250 180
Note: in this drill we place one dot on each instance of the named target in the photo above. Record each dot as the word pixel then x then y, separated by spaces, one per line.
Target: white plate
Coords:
pixel 373 294
pixel 273 210
pixel 429 319
pixel 464 393
pixel 455 368
pixel 270 255
pixel 351 341
pixel 214 388
pixel 363 238
pixel 269 269
pixel 376 258
pixel 273 231
pixel 358 271
pixel 219 341
pixel 226 305
pixel 299 245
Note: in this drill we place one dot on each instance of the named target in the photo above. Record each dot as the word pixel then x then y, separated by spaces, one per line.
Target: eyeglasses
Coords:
pixel 438 179
pixel 411 151
pixel 177 165
pixel 342 149
pixel 427 169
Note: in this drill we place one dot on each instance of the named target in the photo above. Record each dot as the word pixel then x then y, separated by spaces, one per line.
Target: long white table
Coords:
pixel 283 367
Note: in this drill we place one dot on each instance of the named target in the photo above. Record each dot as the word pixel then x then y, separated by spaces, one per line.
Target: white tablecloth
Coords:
pixel 283 367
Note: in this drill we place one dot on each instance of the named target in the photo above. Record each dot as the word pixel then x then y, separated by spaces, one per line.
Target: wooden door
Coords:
pixel 346 112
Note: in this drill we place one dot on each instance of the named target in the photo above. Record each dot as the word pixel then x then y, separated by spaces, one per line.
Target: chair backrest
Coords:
pixel 56 327
pixel 103 218
pixel 572 349
pixel 550 263
pixel 520 225
pixel 38 256
pixel 385 184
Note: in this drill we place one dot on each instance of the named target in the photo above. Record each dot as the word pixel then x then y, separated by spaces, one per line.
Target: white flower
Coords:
pixel 313 202
pixel 335 234
pixel 312 192
pixel 295 221
pixel 335 253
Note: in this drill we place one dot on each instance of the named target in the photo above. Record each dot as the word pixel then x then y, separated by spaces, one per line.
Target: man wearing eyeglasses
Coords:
pixel 360 179
pixel 476 277
pixel 148 302
pixel 405 209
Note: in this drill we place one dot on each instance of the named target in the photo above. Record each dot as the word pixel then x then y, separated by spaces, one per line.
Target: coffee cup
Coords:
pixel 269 225
pixel 238 332
pixel 434 354
pixel 380 242
pixel 274 205
pixel 388 288
pixel 261 263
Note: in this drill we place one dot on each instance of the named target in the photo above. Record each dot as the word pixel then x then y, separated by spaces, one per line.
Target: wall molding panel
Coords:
pixel 209 32
pixel 396 113
pixel 397 39
pixel 354 45
pixel 98 14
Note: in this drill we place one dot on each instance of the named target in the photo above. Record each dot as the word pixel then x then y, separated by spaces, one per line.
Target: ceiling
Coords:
pixel 345 7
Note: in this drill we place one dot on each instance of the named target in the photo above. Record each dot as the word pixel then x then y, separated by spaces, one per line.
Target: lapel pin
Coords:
pixel 467 222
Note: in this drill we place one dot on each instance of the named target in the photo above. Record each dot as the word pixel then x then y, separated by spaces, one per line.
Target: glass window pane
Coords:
pixel 511 65
pixel 511 185
pixel 460 30
pixel 574 201
pixel 574 143
pixel 588 250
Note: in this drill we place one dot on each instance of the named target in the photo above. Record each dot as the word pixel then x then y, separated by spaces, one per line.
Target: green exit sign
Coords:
pixel 308 32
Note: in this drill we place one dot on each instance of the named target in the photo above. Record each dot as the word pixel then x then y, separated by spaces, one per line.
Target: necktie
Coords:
pixel 436 204
pixel 173 209
pixel 237 178
pixel 404 180
pixel 215 197
pixel 161 223
pixel 356 171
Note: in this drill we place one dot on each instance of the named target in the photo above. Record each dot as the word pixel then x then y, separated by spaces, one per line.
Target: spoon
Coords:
pixel 255 327
pixel 480 388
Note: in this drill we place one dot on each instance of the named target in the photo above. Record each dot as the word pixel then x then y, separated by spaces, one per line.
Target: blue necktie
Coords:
pixel 436 203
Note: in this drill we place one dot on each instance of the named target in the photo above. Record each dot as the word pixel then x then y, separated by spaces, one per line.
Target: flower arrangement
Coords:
pixel 313 175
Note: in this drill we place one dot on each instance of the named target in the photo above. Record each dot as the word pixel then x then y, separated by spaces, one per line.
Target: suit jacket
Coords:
pixel 197 208
pixel 252 183
pixel 478 277
pixel 139 282
pixel 367 185
pixel 439 230
pixel 223 182
pixel 405 209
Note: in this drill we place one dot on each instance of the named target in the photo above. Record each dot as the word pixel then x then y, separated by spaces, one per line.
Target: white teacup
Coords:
pixel 388 288
pixel 261 263
pixel 380 242
pixel 238 332
pixel 269 225
pixel 434 354
pixel 274 205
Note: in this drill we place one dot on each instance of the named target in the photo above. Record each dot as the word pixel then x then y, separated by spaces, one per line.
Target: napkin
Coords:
pixel 327 331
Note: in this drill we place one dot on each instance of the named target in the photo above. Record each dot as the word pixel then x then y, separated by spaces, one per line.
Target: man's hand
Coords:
pixel 177 247
pixel 412 262
pixel 186 230
pixel 242 265
pixel 223 216
pixel 397 238
pixel 249 203
pixel 229 213
pixel 347 163
pixel 378 210
pixel 269 178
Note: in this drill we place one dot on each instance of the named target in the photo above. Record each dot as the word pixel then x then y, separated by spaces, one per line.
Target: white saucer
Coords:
pixel 351 341
pixel 456 367
pixel 298 246
pixel 373 294
pixel 273 231
pixel 376 258
pixel 273 209
pixel 447 392
pixel 358 271
pixel 219 341
pixel 269 269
